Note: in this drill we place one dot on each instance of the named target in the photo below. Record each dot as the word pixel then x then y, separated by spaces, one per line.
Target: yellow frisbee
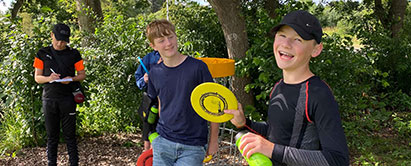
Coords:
pixel 210 100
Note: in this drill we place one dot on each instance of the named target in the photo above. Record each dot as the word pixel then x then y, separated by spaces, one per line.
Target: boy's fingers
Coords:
pixel 234 111
pixel 240 107
pixel 229 111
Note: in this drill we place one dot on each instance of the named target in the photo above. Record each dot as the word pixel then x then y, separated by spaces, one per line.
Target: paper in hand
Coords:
pixel 62 80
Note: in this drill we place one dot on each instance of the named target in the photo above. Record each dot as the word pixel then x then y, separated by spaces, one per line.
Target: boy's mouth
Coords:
pixel 285 55
pixel 169 48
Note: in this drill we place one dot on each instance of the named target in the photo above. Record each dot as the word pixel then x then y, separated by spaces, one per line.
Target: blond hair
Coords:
pixel 159 28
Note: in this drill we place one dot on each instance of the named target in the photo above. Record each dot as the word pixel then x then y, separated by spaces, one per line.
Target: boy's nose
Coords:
pixel 167 41
pixel 287 42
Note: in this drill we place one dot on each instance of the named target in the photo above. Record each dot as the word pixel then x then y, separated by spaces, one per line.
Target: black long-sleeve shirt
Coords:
pixel 319 136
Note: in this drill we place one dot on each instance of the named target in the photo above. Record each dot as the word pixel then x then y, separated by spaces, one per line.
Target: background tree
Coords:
pixel 235 34
pixel 16 7
pixel 156 5
pixel 271 6
pixel 89 13
pixel 391 16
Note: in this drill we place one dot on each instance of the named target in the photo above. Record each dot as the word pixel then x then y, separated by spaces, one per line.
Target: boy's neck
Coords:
pixel 296 78
pixel 174 60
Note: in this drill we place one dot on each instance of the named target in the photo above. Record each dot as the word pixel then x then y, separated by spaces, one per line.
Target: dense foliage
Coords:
pixel 366 68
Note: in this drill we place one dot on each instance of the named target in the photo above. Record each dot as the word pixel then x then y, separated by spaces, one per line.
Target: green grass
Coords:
pixel 378 142
pixel 331 30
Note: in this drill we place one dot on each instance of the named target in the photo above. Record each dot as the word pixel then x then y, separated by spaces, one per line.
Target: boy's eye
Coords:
pixel 281 35
pixel 299 40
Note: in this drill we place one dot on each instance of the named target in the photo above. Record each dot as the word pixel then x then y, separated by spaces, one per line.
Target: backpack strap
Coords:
pixel 300 110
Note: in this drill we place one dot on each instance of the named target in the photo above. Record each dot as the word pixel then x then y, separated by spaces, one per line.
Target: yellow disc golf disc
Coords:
pixel 210 100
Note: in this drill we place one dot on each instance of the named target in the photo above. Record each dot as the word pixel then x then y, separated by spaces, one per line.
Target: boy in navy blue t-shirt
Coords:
pixel 183 133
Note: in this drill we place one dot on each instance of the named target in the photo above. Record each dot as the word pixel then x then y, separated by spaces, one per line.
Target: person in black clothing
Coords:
pixel 303 125
pixel 52 64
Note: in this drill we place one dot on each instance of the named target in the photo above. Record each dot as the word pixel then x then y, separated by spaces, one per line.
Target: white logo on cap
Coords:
pixel 308 25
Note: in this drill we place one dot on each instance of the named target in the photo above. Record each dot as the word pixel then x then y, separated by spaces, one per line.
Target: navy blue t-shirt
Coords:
pixel 173 86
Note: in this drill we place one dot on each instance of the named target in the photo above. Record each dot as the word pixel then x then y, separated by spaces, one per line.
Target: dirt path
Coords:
pixel 110 149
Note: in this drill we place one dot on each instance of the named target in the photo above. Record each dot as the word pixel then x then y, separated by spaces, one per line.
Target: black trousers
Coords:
pixel 55 112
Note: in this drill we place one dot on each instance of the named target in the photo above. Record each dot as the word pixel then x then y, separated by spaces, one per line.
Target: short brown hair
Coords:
pixel 159 28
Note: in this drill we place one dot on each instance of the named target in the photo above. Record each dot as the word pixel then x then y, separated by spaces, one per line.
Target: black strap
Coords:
pixel 299 116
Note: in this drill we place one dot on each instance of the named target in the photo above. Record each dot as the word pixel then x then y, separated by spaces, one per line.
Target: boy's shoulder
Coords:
pixel 319 88
pixel 195 60
pixel 152 53
pixel 45 49
pixel 44 52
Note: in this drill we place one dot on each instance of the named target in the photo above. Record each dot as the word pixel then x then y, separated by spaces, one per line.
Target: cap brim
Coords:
pixel 301 32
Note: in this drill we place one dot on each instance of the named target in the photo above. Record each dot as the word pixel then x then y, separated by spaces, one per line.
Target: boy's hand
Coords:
pixel 145 77
pixel 213 140
pixel 239 119
pixel 252 143
pixel 67 82
pixel 54 76
pixel 212 148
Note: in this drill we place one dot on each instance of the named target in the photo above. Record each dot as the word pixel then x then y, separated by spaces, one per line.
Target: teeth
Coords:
pixel 284 53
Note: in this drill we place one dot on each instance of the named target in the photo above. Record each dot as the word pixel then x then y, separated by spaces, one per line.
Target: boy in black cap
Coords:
pixel 303 125
pixel 52 64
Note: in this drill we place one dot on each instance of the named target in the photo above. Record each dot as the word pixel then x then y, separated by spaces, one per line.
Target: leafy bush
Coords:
pixel 21 104
pixel 110 65
pixel 198 30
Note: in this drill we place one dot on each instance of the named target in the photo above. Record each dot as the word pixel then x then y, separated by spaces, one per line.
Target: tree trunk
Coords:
pixel 156 5
pixel 397 12
pixel 16 8
pixel 233 25
pixel 381 13
pixel 86 18
pixel 392 19
pixel 271 6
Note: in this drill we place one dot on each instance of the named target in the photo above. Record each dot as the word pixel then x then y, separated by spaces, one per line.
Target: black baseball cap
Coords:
pixel 304 23
pixel 62 32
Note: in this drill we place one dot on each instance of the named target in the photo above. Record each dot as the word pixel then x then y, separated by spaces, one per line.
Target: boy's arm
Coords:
pixel 39 78
pixel 213 140
pixel 240 121
pixel 139 75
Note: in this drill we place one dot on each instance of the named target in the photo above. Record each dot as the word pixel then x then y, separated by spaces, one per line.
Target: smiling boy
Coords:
pixel 303 125
pixel 182 133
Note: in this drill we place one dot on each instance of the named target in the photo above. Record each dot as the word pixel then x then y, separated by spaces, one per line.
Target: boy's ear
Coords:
pixel 317 50
pixel 152 46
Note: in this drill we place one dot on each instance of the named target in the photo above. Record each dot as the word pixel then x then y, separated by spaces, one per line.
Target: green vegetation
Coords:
pixel 368 70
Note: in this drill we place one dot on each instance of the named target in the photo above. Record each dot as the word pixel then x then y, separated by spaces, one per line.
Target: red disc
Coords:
pixel 146 158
